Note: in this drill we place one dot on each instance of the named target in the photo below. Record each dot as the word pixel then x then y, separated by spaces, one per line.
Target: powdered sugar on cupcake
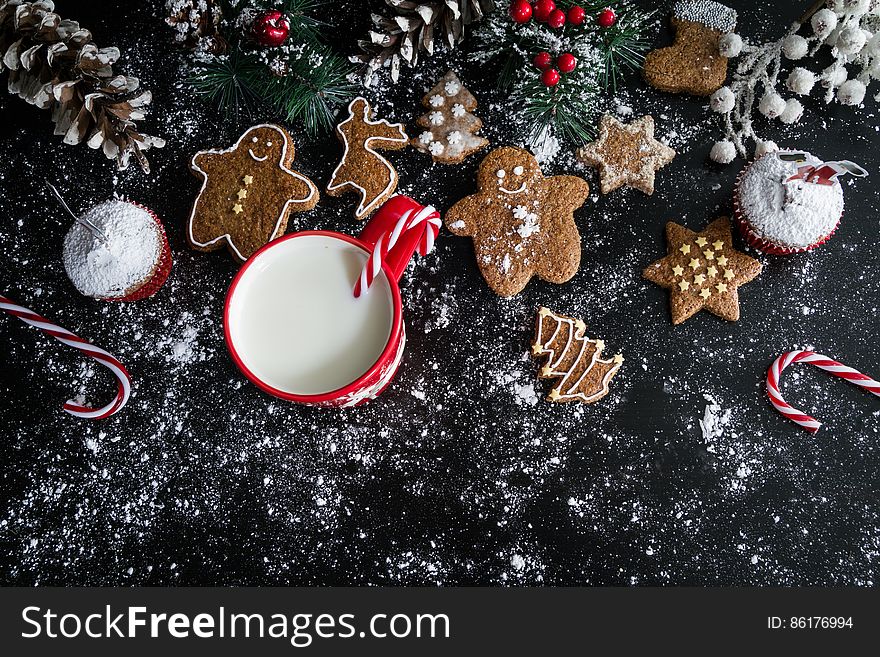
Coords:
pixel 128 258
pixel 795 214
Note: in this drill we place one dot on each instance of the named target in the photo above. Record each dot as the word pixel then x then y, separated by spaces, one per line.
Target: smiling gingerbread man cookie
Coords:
pixel 248 192
pixel 522 223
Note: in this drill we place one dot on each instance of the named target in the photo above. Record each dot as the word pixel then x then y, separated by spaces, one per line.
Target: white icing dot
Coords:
pixel 436 118
pixel 436 148
pixel 458 110
pixel 269 144
pixel 451 88
pixel 501 173
pixel 518 171
pixel 254 139
pixel 426 137
pixel 436 100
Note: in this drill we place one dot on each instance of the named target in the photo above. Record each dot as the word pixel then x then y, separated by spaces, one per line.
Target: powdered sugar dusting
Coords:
pixel 129 256
pixel 793 214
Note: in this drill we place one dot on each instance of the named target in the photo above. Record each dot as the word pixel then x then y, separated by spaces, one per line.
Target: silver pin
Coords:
pixel 91 227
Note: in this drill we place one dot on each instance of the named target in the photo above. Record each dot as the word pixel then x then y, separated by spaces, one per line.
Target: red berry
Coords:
pixel 520 11
pixel 606 17
pixel 543 60
pixel 576 15
pixel 550 77
pixel 556 19
pixel 270 28
pixel 543 9
pixel 566 62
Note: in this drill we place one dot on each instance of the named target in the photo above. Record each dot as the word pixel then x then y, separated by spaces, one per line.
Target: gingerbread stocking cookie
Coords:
pixel 362 169
pixel 693 64
pixel 522 223
pixel 248 192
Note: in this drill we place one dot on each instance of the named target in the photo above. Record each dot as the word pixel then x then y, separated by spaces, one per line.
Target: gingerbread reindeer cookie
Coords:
pixel 522 223
pixel 248 192
pixel 362 169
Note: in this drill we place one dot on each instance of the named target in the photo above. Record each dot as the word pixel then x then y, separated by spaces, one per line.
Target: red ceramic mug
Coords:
pixel 294 327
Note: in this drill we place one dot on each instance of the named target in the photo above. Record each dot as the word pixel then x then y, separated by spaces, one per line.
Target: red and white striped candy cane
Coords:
pixel 823 363
pixel 68 338
pixel 427 219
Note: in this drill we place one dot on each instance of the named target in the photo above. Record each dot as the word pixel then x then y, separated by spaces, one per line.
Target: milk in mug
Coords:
pixel 295 323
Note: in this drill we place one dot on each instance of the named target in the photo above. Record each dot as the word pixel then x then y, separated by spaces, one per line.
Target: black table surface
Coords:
pixel 460 473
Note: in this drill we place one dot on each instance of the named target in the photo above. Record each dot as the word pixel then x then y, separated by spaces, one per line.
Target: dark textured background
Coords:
pixel 456 474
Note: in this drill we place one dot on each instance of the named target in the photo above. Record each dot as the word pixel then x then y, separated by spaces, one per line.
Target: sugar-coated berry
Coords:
pixel 606 17
pixel 566 62
pixel 556 19
pixel 550 77
pixel 723 152
pixel 520 11
pixel 542 10
pixel 576 15
pixel 543 60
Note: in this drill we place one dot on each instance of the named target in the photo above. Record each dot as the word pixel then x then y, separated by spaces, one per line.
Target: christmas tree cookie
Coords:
pixel 362 169
pixel 702 270
pixel 522 222
pixel 449 127
pixel 626 154
pixel 572 358
pixel 248 192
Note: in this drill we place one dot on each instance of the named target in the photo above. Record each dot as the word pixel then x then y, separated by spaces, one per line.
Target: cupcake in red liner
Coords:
pixel 782 206
pixel 118 251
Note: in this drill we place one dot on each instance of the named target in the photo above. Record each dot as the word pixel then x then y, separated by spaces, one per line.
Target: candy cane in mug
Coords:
pixel 63 335
pixel 823 363
pixel 426 219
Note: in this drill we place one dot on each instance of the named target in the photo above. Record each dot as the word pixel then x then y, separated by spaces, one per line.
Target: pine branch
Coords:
pixel 624 46
pixel 568 110
pixel 303 25
pixel 603 56
pixel 228 81
pixel 312 88
pixel 304 80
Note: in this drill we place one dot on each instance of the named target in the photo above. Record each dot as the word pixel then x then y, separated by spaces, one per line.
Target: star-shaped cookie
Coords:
pixel 626 154
pixel 702 270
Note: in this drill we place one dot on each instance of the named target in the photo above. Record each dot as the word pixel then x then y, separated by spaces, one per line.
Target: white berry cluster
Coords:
pixel 851 31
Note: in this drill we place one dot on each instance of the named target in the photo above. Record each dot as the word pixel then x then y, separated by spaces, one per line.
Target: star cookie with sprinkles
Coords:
pixel 572 358
pixel 626 154
pixel 702 270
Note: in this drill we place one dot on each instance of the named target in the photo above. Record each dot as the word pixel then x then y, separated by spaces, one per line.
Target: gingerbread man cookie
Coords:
pixel 248 192
pixel 362 169
pixel 522 223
